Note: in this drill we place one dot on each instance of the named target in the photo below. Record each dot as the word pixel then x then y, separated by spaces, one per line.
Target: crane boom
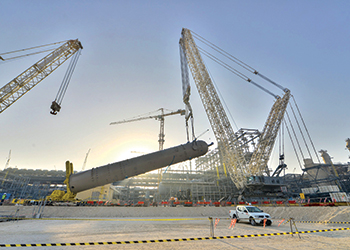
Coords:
pixel 157 117
pixel 229 145
pixel 261 154
pixel 24 82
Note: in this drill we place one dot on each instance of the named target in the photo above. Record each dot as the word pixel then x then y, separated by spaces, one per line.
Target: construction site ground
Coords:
pixel 120 224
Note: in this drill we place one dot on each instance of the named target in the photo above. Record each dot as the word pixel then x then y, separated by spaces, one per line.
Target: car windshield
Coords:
pixel 253 209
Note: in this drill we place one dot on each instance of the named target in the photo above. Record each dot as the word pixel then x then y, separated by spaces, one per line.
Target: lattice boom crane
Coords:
pixel 240 165
pixel 24 82
pixel 225 136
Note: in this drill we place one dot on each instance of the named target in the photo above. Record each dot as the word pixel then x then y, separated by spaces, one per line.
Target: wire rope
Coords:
pixel 224 53
pixel 236 72
pixel 221 97
pixel 307 131
pixel 236 60
pixel 295 136
pixel 293 145
pixel 301 132
pixel 40 46
pixel 64 85
pixel 30 54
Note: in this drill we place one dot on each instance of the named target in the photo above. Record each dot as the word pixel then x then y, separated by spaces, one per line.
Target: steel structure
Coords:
pixel 261 155
pixel 233 151
pixel 24 82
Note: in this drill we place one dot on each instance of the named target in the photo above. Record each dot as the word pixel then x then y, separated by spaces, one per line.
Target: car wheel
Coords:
pixel 252 222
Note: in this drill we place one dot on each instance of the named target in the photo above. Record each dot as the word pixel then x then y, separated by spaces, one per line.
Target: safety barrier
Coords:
pixel 324 222
pixel 92 219
pixel 170 240
pixel 282 221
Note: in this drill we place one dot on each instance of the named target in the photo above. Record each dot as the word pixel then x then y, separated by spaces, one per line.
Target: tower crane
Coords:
pixel 24 82
pixel 8 160
pixel 159 117
pixel 6 166
pixel 240 164
pixel 84 164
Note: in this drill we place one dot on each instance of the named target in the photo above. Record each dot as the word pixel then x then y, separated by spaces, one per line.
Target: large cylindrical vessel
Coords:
pixel 121 170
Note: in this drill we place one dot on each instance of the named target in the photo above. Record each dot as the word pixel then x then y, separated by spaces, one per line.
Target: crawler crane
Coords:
pixel 24 82
pixel 241 164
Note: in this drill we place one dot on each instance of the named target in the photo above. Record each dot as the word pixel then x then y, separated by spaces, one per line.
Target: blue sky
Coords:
pixel 130 66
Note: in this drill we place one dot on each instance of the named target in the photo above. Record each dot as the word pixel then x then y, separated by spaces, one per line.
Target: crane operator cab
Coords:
pixel 55 108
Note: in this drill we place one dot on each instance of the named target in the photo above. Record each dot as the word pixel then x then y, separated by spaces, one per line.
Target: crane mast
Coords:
pixel 229 145
pixel 261 154
pixel 24 82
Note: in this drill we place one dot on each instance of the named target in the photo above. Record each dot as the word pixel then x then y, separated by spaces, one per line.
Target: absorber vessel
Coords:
pixel 117 171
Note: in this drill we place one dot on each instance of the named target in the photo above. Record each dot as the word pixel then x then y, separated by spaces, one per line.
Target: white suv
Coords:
pixel 251 214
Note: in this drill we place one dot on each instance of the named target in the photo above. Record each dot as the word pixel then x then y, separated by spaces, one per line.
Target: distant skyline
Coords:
pixel 130 65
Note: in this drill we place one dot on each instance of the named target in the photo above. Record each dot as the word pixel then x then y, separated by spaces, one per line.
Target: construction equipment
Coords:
pixel 24 82
pixel 261 155
pixel 6 166
pixel 240 163
pixel 159 117
pixel 348 143
pixel 8 160
pixel 328 160
pixel 84 164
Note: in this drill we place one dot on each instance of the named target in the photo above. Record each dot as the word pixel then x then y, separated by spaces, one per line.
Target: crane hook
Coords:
pixel 55 108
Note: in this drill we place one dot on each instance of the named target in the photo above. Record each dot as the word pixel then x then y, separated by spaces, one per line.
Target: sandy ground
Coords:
pixel 79 225
pixel 79 231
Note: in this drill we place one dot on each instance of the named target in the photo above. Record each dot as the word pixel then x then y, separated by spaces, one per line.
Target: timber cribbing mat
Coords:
pixel 168 240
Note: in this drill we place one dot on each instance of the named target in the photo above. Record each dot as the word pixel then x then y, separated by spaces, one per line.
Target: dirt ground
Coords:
pixel 119 224
pixel 134 229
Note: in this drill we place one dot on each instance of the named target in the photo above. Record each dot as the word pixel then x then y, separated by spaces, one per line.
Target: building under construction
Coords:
pixel 203 179
pixel 236 170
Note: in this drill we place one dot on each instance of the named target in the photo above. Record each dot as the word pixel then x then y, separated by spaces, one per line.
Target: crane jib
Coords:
pixel 32 76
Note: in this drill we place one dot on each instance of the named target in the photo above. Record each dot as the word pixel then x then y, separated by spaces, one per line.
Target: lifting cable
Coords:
pixel 292 141
pixel 221 97
pixel 301 132
pixel 234 71
pixel 33 53
pixel 295 136
pixel 244 77
pixel 236 60
pixel 307 131
pixel 56 104
pixel 281 142
pixel 186 90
